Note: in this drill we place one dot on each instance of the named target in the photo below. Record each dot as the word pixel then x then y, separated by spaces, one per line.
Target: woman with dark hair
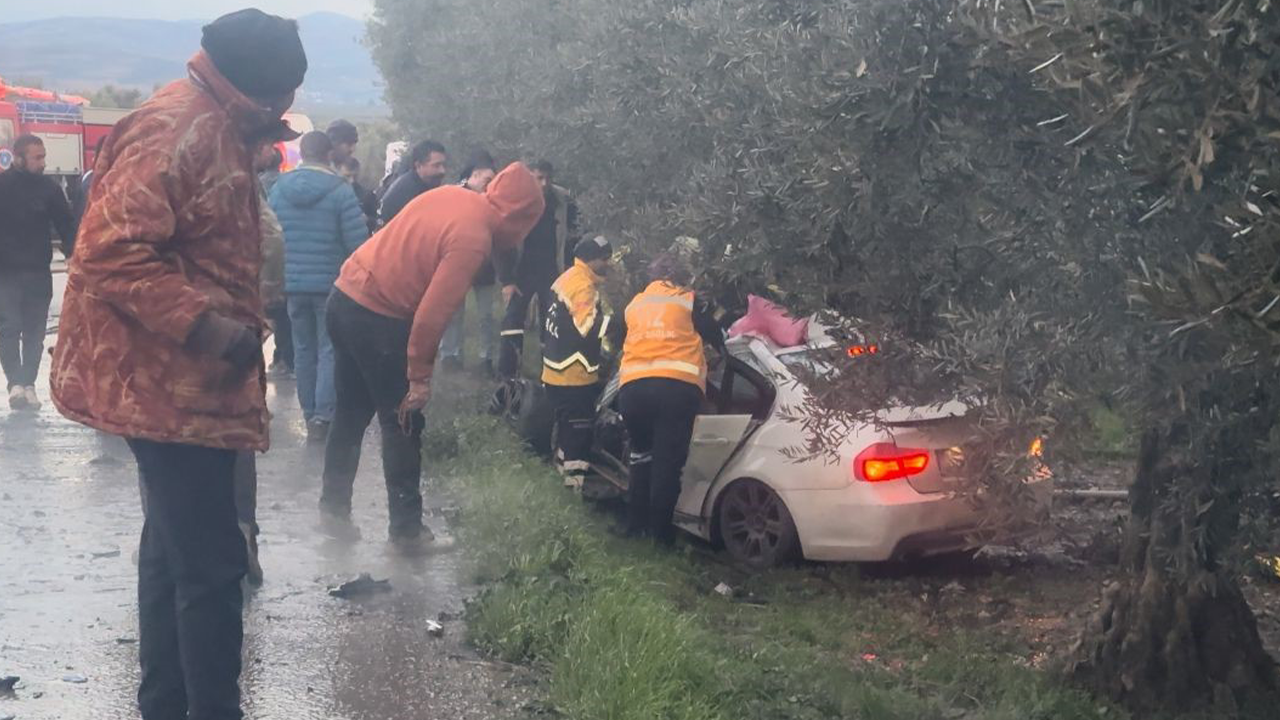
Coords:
pixel 664 376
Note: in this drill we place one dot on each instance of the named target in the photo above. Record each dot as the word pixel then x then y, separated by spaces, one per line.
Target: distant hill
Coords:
pixel 83 53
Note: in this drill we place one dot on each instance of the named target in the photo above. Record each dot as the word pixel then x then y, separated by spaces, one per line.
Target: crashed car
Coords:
pixel 890 496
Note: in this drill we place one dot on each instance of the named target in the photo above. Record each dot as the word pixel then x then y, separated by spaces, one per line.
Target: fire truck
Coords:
pixel 69 126
pixel 72 129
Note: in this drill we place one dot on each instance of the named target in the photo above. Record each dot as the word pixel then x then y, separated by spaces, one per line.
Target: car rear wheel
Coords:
pixel 756 527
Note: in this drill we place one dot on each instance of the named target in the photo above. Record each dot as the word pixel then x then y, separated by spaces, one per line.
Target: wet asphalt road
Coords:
pixel 69 524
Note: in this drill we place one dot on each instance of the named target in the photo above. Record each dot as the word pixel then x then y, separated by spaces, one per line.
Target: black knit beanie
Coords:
pixel 597 248
pixel 260 54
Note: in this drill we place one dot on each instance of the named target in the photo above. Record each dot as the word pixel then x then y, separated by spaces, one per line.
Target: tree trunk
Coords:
pixel 1165 638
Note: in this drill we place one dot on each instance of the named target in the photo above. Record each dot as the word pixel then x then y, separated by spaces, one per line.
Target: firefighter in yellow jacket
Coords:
pixel 575 337
pixel 663 376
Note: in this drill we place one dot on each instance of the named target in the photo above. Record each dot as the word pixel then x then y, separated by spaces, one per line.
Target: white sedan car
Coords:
pixel 890 496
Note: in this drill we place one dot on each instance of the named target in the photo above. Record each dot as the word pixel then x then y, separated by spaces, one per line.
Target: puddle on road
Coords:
pixel 67 590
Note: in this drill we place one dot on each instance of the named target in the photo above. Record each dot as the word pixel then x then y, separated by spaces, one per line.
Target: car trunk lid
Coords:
pixel 940 429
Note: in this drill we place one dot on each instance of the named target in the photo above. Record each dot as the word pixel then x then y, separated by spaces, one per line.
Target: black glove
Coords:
pixel 225 339
pixel 245 351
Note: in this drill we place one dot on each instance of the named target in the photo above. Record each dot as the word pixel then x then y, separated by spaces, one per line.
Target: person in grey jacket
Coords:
pixel 323 224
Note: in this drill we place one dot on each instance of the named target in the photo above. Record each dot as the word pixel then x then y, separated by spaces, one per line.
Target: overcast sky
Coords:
pixel 20 10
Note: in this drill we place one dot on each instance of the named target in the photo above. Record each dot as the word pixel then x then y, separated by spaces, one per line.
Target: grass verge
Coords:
pixel 627 631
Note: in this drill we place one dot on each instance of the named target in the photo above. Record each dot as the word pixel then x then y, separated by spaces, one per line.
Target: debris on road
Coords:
pixel 724 590
pixel 435 629
pixel 106 554
pixel 106 461
pixel 361 586
pixel 6 684
pixel 75 679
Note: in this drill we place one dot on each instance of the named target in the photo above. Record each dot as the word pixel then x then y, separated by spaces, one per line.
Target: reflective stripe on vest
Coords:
pixel 676 365
pixel 686 303
pixel 574 358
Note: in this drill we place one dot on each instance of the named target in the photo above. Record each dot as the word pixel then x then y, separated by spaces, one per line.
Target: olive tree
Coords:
pixel 1029 205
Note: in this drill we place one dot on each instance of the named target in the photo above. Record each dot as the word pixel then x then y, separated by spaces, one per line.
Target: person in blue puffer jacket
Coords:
pixel 323 224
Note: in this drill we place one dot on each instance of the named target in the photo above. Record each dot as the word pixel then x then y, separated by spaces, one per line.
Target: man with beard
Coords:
pixel 31 205
pixel 429 162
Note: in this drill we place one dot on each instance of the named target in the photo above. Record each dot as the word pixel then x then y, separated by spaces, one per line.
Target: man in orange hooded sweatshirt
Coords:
pixel 389 308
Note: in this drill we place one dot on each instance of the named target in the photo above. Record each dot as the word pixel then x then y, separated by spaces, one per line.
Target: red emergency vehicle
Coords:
pixel 68 125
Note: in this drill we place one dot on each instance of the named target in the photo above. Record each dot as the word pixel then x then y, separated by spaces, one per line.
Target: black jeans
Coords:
pixel 246 488
pixel 511 351
pixel 370 366
pixel 245 483
pixel 659 415
pixel 575 409
pixel 190 562
pixel 283 328
pixel 24 314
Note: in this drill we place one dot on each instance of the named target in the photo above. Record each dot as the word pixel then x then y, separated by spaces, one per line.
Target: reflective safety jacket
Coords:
pixel 574 336
pixel 662 337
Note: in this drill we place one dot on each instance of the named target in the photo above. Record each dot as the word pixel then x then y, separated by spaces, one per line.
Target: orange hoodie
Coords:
pixel 421 264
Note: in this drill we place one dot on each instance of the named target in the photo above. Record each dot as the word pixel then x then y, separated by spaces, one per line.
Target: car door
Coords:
pixel 717 433
pixel 715 437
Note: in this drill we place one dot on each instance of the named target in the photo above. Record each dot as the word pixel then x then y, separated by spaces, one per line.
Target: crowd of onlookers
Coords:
pixel 325 214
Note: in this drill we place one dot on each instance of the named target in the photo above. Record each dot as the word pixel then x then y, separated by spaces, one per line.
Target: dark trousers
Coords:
pixel 190 562
pixel 659 415
pixel 370 366
pixel 511 351
pixel 283 327
pixel 246 488
pixel 575 418
pixel 24 313
pixel 245 483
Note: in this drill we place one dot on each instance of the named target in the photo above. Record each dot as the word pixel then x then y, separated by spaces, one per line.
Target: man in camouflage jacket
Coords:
pixel 159 342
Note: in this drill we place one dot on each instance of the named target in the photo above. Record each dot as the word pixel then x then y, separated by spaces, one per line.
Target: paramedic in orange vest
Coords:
pixel 663 376
pixel 575 337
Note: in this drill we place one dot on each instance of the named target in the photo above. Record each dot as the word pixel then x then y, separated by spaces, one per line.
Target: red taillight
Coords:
pixel 860 350
pixel 885 461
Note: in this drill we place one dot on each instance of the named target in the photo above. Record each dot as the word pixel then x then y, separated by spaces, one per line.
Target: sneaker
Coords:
pixel 317 432
pixel 33 400
pixel 18 397
pixel 254 576
pixel 338 527
pixel 452 364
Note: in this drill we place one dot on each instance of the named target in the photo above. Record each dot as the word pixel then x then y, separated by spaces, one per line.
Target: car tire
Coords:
pixel 755 526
